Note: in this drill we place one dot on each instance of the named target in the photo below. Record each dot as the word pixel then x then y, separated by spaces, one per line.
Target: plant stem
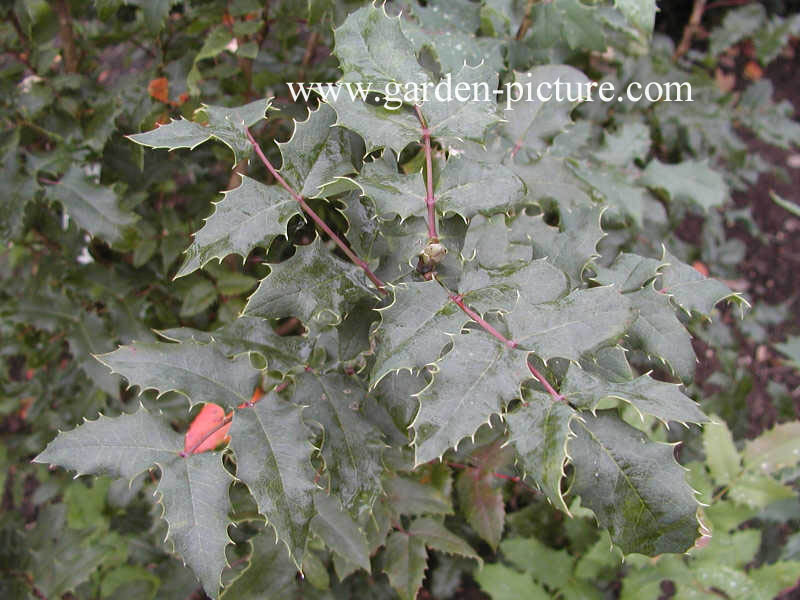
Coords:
pixel 495 474
pixel 430 201
pixel 692 27
pixel 459 300
pixel 554 394
pixel 527 21
pixel 67 36
pixel 314 216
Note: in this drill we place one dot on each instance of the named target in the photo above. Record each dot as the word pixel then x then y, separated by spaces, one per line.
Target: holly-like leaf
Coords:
pixel 482 504
pixel 648 396
pixel 379 125
pixel 629 272
pixel 722 457
pixel 775 449
pixel 249 334
pixel 316 154
pixel 631 141
pixel 659 332
pixel 541 431
pixel 371 48
pixel 473 381
pixel 309 284
pixel 435 535
pixel 504 583
pixel 250 215
pixel 273 448
pixel 392 192
pixel 269 569
pixel 410 497
pixel 689 181
pixel 413 328
pixel 339 531
pixel 351 445
pixel 569 247
pixel 532 123
pixel 640 13
pixel 207 431
pixel 93 207
pixel 199 372
pixel 691 290
pixel 194 490
pixel 405 561
pixel 224 124
pixel 463 183
pixel 572 326
pixel 633 485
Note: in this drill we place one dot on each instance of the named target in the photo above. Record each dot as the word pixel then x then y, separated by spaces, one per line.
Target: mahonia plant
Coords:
pixel 454 287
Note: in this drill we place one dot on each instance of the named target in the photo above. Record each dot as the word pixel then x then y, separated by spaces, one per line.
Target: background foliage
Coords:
pixel 110 244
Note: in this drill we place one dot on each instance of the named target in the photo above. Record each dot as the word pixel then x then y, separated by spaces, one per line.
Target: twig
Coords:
pixel 67 36
pixel 495 474
pixel 554 394
pixel 527 21
pixel 430 201
pixel 459 300
pixel 692 27
pixel 308 54
pixel 314 216
pixel 725 3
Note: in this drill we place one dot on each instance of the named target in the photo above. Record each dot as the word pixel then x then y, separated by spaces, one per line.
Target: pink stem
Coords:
pixel 554 394
pixel 459 300
pixel 315 217
pixel 430 201
pixel 516 148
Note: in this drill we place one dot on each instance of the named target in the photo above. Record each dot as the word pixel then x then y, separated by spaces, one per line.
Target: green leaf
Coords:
pixel 94 208
pixel 463 183
pixel 791 349
pixel 551 567
pixel 273 451
pixel 659 332
pixel 738 24
pixel 640 13
pixel 648 396
pixel 339 531
pixel 250 215
pixel 413 498
pixel 193 490
pixel 199 372
pixel 690 181
pixel 572 245
pixel 405 561
pixel 722 457
pixel 351 445
pixel 308 285
pixel 775 449
pixel 316 154
pixel 249 334
pixel 758 491
pixel 392 192
pixel 224 124
pixel 413 328
pixel 541 431
pixel 503 583
pixel 691 290
pixel 633 485
pixel 631 141
pixel 531 124
pixel 269 569
pixel 201 295
pixel 371 48
pixel 482 504
pixel 572 326
pixel 435 535
pixel 568 21
pixel 611 184
pixel 473 381
pixel 381 127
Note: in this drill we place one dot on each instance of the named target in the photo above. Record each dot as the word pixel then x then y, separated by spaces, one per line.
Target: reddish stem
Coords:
pixel 430 201
pixel 314 216
pixel 494 474
pixel 459 300
pixel 554 394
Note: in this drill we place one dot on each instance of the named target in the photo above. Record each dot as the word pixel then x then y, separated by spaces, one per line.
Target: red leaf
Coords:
pixel 207 420
pixel 159 89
